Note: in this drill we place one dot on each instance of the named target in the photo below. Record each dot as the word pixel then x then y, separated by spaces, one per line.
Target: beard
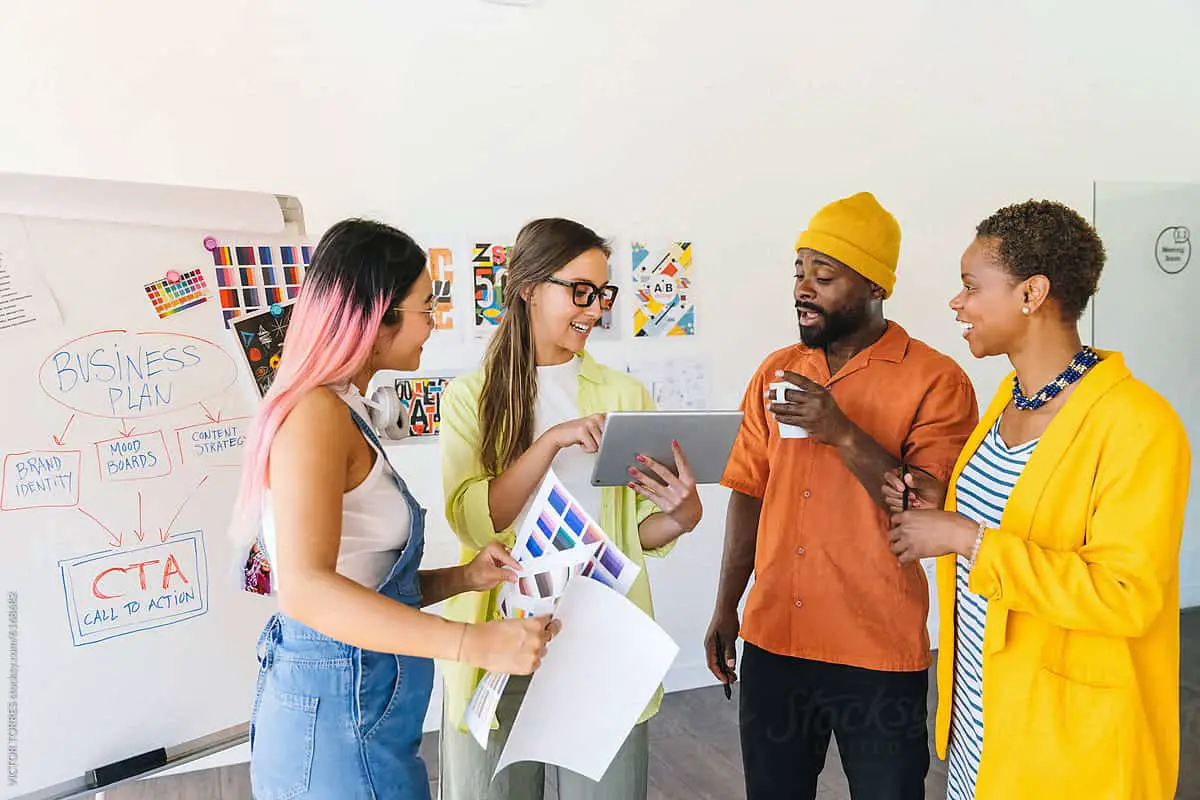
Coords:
pixel 832 325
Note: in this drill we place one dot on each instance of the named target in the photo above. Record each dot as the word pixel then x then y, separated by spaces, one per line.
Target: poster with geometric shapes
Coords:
pixel 490 264
pixel 662 291
pixel 441 271
pixel 253 277
pixel 260 336
pixel 177 292
pixel 422 402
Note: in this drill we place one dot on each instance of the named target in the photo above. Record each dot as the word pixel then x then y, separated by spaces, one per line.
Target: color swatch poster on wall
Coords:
pixel 254 277
pixel 489 262
pixel 176 292
pixel 422 402
pixel 662 290
pixel 260 338
pixel 441 272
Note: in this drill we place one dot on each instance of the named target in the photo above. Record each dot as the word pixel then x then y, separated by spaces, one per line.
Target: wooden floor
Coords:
pixel 694 751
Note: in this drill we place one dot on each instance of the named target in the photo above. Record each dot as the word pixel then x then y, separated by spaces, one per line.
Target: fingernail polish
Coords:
pixel 632 471
pixel 642 459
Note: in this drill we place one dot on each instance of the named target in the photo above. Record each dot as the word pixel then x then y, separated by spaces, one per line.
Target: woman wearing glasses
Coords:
pixel 539 402
pixel 345 669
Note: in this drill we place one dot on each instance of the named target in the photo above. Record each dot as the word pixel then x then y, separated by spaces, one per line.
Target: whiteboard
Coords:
pixel 1145 308
pixel 121 437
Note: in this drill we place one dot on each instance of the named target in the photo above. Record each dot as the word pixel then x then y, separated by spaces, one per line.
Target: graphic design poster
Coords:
pixel 490 264
pixel 260 337
pixel 422 402
pixel 662 291
pixel 441 271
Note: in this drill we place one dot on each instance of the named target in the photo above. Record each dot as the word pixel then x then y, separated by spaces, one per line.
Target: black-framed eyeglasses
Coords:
pixel 584 293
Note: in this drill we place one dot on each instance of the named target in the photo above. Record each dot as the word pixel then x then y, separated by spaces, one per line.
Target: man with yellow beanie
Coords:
pixel 834 626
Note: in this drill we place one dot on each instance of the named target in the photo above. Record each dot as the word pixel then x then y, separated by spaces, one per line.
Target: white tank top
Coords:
pixel 376 522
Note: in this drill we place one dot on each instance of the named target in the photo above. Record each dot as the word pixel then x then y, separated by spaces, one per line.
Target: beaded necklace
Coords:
pixel 1084 360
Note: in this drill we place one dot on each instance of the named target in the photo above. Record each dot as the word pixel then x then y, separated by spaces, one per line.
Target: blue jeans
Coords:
pixel 335 721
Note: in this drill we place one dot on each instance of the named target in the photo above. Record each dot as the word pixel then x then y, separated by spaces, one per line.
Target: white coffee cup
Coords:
pixel 778 395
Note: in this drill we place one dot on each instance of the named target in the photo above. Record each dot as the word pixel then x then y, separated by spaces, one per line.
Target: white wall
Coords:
pixel 726 123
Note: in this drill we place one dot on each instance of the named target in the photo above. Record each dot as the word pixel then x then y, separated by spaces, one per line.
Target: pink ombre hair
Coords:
pixel 360 270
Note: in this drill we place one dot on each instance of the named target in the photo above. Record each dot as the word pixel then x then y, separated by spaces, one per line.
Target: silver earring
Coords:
pixel 1025 309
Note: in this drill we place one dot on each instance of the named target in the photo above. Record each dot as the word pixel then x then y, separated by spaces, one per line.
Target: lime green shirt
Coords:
pixel 465 484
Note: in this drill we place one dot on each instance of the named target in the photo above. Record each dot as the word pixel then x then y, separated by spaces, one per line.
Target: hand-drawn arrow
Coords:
pixel 208 414
pixel 165 533
pixel 126 431
pixel 61 438
pixel 115 539
pixel 139 533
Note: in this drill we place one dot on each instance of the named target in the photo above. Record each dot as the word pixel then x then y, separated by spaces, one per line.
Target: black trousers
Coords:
pixel 789 707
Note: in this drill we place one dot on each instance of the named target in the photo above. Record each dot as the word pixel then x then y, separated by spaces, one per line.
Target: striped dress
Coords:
pixel 982 491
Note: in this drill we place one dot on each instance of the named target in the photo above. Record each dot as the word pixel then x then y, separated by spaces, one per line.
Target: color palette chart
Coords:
pixel 177 292
pixel 253 277
pixel 557 542
pixel 556 523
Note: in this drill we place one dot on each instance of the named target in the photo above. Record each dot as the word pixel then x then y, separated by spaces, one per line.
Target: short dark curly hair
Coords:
pixel 1042 237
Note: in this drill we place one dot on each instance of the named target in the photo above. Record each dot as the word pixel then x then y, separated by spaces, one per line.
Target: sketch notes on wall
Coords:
pixel 125 411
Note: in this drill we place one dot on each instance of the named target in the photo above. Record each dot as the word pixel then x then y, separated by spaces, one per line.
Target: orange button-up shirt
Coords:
pixel 826 586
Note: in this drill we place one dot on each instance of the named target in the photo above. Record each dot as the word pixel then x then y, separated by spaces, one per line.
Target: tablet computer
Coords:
pixel 706 438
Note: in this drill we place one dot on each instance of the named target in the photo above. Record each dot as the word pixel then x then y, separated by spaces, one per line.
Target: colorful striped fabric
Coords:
pixel 982 491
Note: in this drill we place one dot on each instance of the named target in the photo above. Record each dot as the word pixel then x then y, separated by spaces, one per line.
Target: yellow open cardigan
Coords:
pixel 1081 640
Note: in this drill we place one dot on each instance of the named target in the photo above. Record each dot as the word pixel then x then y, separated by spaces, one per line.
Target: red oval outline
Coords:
pixel 232 364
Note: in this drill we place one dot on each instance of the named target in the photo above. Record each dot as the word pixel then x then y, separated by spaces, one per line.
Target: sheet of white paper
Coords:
pixel 25 298
pixel 680 384
pixel 595 681
pixel 482 708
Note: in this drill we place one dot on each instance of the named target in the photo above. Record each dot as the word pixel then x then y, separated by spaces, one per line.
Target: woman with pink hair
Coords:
pixel 345 667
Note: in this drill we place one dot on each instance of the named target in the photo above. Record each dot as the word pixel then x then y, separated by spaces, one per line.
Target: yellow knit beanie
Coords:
pixel 861 234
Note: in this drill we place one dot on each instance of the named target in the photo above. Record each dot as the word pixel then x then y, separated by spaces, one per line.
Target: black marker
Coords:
pixel 723 666
pixel 126 768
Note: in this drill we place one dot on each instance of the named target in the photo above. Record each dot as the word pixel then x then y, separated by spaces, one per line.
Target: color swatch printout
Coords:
pixel 252 277
pixel 556 522
pixel 177 292
pixel 557 542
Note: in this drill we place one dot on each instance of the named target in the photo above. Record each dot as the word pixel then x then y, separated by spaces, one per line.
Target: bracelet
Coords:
pixel 975 549
pixel 461 640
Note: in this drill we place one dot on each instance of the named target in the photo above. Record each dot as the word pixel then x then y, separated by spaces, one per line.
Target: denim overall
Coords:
pixel 335 721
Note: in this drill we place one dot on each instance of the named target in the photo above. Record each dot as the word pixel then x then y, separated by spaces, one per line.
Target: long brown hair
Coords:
pixel 506 404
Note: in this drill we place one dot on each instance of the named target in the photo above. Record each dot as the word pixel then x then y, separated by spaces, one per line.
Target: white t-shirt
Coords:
pixel 376 522
pixel 558 401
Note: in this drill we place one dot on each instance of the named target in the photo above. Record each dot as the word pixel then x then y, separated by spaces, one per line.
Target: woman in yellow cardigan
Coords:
pixel 539 402
pixel 1058 670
